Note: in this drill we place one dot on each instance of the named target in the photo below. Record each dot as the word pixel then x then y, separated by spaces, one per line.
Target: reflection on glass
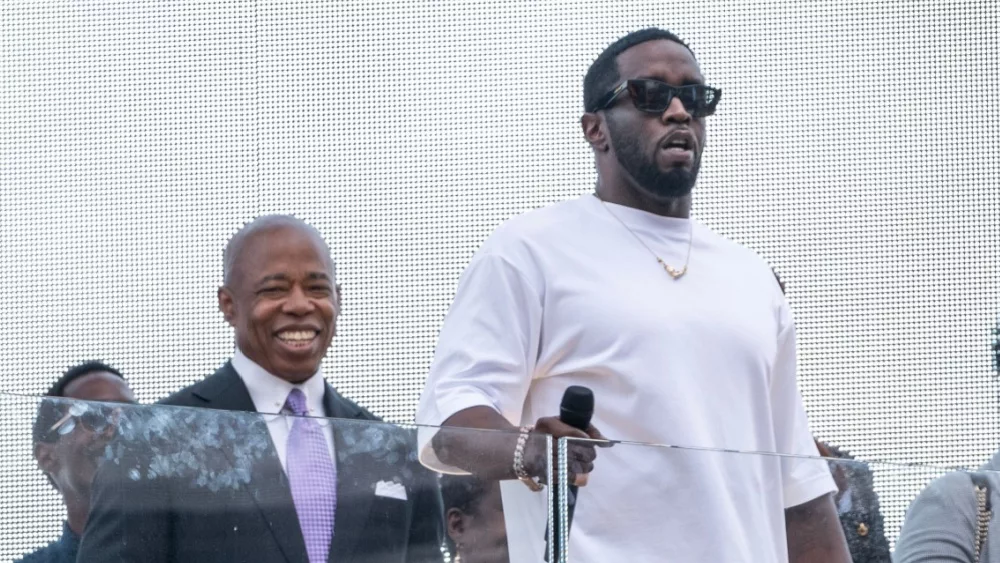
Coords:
pixel 857 506
pixel 948 521
pixel 176 484
pixel 185 484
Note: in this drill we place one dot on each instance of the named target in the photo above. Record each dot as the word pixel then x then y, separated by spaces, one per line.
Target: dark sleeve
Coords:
pixel 427 523
pixel 128 520
pixel 43 555
pixel 872 545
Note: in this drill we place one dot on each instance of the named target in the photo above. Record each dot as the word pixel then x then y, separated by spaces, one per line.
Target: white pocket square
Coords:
pixel 390 489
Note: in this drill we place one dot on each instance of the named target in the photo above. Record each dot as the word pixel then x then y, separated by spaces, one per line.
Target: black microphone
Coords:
pixel 577 407
pixel 576 410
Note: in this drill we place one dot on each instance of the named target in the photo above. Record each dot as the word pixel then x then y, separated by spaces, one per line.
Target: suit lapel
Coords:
pixel 355 490
pixel 268 486
pixel 271 492
pixel 225 391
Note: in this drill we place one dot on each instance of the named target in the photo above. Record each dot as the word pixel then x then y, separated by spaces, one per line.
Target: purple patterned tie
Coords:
pixel 313 478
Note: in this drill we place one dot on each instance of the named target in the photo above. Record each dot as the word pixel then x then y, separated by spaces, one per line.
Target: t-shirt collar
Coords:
pixel 642 221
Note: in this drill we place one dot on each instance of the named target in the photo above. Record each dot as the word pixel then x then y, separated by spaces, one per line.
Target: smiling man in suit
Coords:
pixel 318 490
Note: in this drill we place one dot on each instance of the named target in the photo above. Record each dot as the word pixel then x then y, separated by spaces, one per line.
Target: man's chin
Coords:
pixel 298 373
pixel 294 369
pixel 666 186
pixel 667 193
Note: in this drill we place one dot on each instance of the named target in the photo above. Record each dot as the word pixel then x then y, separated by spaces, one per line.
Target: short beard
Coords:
pixel 672 184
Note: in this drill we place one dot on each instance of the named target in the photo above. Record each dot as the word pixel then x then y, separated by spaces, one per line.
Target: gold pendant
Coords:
pixel 670 270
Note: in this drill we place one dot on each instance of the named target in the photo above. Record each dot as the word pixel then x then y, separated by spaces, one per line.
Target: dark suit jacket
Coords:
pixel 199 485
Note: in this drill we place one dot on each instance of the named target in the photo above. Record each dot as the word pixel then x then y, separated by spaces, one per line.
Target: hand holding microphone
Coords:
pixel 576 410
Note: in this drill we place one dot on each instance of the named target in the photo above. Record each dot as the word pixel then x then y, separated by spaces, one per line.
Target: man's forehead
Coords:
pixel 85 386
pixel 281 245
pixel 661 58
pixel 283 239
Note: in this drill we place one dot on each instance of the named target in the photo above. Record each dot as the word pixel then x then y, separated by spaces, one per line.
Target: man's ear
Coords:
pixel 594 131
pixel 46 457
pixel 340 297
pixel 455 525
pixel 226 305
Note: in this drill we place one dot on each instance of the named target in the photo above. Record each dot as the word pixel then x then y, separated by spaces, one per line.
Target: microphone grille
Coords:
pixel 578 398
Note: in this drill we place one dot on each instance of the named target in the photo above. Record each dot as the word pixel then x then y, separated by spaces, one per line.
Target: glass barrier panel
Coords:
pixel 151 483
pixel 646 502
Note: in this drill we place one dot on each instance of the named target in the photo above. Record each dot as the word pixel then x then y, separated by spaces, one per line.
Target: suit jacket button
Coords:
pixel 862 529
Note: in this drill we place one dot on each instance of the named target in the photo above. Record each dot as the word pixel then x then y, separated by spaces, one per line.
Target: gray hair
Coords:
pixel 262 224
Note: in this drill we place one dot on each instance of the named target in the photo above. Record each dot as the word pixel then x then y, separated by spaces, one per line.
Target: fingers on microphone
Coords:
pixel 579 475
pixel 558 429
pixel 581 480
pixel 583 452
pixel 594 433
pixel 580 462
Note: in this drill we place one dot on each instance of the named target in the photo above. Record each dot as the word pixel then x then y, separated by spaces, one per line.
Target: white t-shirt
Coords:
pixel 565 295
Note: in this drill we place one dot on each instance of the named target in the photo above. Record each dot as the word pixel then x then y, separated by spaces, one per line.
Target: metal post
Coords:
pixel 549 472
pixel 562 508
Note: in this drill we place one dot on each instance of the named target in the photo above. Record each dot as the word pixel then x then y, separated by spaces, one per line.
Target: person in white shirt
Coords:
pixel 682 335
pixel 320 489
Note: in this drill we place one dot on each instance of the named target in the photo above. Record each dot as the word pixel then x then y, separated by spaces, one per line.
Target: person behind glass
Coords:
pixel 312 498
pixel 856 500
pixel 474 520
pixel 680 333
pixel 69 442
pixel 956 518
pixel 857 506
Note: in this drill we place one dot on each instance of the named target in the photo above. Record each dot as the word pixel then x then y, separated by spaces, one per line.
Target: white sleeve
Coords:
pixel 802 479
pixel 486 351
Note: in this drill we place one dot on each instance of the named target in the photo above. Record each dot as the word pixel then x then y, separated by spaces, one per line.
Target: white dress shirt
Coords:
pixel 269 393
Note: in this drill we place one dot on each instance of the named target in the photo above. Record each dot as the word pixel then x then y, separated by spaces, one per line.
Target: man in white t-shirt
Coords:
pixel 683 336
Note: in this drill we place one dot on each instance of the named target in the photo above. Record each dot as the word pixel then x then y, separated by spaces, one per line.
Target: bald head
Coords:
pixel 265 224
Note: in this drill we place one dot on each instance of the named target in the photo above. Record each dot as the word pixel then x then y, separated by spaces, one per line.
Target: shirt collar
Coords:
pixel 637 220
pixel 269 392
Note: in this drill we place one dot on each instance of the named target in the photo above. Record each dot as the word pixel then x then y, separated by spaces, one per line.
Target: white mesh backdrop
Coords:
pixel 854 148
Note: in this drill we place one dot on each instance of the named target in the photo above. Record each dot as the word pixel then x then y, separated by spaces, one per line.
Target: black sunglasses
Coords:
pixel 653 96
pixel 91 420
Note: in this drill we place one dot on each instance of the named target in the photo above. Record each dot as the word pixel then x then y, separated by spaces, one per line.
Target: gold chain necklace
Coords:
pixel 674 272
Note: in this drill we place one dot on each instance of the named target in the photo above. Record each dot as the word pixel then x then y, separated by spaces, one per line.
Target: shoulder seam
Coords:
pixel 513 267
